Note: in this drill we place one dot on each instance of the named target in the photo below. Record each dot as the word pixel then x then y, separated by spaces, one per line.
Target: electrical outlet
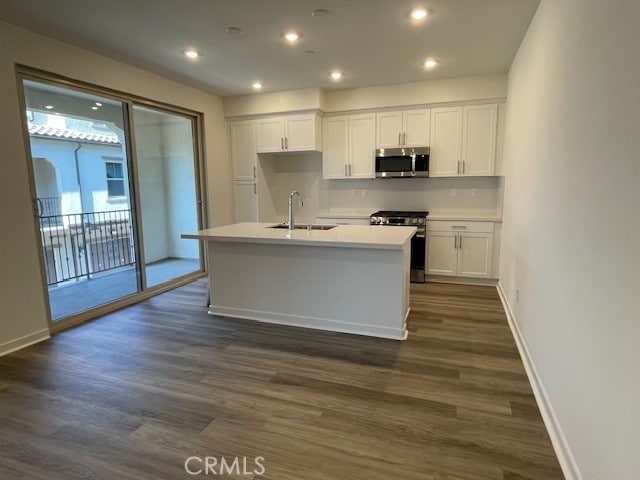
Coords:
pixel 452 192
pixel 517 295
pixel 365 193
pixel 354 193
pixel 474 192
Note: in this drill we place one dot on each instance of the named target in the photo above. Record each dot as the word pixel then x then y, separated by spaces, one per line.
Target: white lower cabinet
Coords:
pixel 245 201
pixel 460 249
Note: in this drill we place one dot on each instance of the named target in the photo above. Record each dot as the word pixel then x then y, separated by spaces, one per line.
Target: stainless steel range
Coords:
pixel 418 242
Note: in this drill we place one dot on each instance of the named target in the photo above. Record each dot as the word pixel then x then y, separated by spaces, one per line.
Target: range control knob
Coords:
pixel 414 220
pixel 421 221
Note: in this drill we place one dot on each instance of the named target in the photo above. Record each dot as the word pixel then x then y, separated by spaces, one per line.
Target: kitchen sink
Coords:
pixel 305 227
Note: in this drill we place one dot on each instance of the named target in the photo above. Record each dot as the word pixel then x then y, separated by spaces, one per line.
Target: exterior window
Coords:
pixel 115 179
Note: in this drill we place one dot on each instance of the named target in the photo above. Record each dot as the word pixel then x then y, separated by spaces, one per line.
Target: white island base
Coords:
pixel 352 279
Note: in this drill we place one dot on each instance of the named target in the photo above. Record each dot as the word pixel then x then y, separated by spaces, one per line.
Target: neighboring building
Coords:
pixel 83 196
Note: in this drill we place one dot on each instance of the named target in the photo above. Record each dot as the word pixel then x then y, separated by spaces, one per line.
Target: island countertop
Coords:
pixel 344 236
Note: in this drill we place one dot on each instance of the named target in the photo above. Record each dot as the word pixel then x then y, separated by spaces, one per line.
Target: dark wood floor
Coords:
pixel 133 394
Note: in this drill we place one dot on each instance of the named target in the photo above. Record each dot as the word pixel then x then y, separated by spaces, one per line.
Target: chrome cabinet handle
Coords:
pixel 255 188
pixel 460 242
pixel 404 139
pixel 350 170
pixel 455 242
pixel 281 143
pixel 463 227
pixel 286 143
pixel 254 172
pixel 345 170
pixel 463 166
pixel 399 139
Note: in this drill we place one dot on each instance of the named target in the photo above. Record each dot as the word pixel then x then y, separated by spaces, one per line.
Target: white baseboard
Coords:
pixel 23 342
pixel 312 322
pixel 558 439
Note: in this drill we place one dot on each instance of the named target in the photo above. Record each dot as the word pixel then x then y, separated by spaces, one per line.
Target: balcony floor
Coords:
pixel 74 297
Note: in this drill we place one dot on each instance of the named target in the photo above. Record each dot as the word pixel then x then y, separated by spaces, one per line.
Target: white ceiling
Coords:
pixel 372 41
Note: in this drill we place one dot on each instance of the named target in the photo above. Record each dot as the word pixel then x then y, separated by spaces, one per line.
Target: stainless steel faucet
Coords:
pixel 291 222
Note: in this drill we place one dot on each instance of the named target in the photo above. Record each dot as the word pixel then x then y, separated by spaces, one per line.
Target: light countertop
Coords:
pixel 344 236
pixel 469 216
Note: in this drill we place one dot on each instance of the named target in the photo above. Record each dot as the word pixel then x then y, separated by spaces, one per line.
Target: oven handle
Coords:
pixel 413 164
pixel 421 235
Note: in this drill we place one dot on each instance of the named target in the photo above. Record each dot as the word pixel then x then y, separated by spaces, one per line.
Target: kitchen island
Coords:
pixel 349 278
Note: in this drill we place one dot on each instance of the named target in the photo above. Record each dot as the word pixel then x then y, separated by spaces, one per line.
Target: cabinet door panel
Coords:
pixel 245 199
pixel 416 127
pixel 479 140
pixel 388 129
pixel 441 253
pixel 335 147
pixel 269 134
pixel 474 255
pixel 362 138
pixel 446 139
pixel 243 150
pixel 300 133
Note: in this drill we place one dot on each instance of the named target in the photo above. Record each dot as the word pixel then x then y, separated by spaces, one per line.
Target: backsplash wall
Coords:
pixel 303 172
pixel 471 194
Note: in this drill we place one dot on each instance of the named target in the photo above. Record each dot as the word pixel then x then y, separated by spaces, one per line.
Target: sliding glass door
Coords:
pixel 114 185
pixel 168 198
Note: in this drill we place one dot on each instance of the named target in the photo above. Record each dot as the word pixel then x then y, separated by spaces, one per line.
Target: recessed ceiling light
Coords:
pixel 320 13
pixel 292 37
pixel 237 31
pixel 94 108
pixel 98 104
pixel 49 107
pixel 257 85
pixel 190 53
pixel 429 63
pixel 336 75
pixel 419 14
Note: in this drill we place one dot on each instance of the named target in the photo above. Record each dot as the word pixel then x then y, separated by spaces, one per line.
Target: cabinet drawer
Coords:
pixel 450 226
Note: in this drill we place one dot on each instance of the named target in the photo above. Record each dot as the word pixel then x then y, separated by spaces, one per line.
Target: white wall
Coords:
pixel 22 317
pixel 572 223
pixel 459 89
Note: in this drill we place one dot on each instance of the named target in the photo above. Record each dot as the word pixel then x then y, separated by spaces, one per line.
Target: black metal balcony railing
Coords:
pixel 49 206
pixel 81 244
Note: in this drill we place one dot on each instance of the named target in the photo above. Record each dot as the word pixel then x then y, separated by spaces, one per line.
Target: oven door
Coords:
pixel 418 257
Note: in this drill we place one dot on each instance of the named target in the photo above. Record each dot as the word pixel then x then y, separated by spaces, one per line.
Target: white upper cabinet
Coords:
pixel 270 134
pixel 335 150
pixel 362 145
pixel 349 146
pixel 479 125
pixel 446 142
pixel 243 150
pixel 403 128
pixel 291 133
pixel 416 128
pixel 463 141
pixel 389 130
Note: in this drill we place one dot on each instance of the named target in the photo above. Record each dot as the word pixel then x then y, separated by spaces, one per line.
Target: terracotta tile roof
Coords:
pixel 46 131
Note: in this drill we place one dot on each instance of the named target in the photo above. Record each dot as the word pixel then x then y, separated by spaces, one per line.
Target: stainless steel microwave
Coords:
pixel 402 162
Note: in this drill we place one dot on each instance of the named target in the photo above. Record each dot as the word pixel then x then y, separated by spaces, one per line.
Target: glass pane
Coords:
pixel 87 231
pixel 168 202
